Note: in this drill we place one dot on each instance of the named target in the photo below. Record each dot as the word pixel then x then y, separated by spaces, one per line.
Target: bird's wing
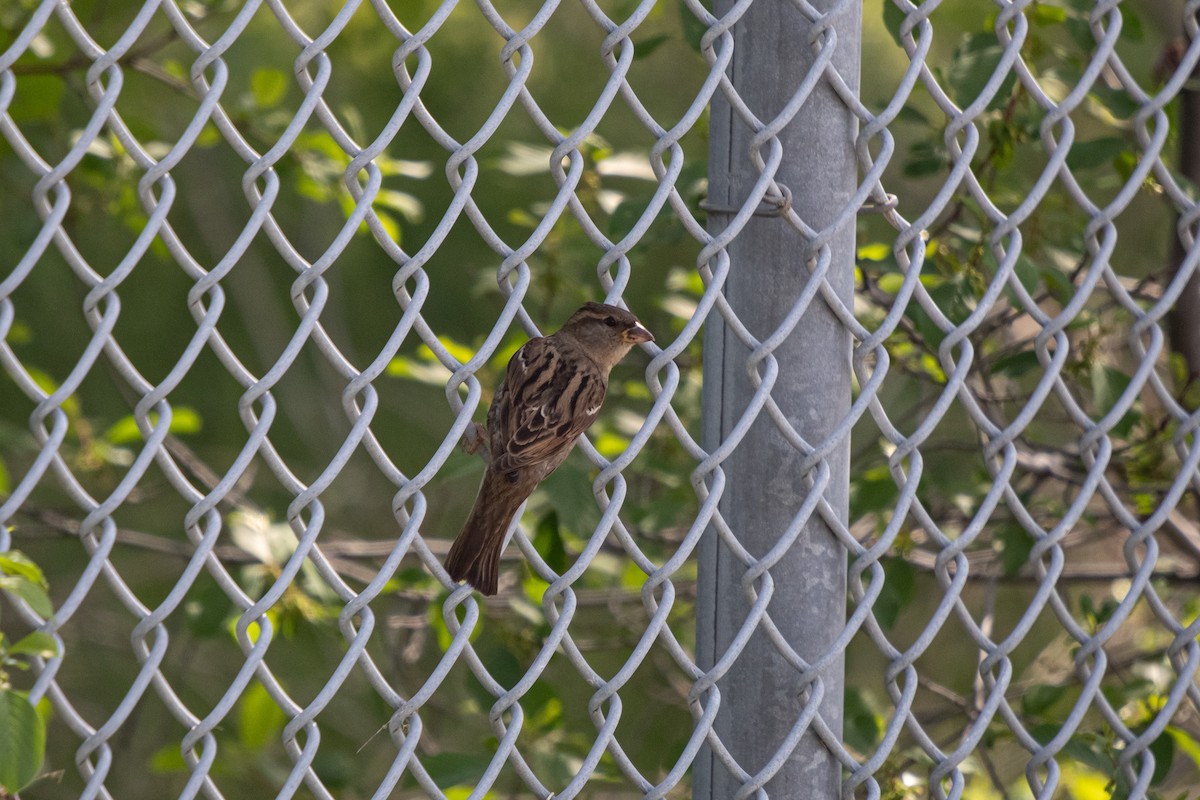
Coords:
pixel 550 398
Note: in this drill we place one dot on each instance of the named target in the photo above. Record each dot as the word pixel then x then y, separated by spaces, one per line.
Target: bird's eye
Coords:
pixel 610 322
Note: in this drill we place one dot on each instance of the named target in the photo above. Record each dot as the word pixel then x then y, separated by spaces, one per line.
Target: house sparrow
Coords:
pixel 551 394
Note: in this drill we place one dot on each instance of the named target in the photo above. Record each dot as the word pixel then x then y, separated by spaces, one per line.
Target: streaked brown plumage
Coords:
pixel 551 394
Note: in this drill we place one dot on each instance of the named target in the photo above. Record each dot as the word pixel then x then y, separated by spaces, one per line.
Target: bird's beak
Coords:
pixel 637 334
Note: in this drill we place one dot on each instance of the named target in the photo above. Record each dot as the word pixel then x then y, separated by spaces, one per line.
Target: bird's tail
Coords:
pixel 475 554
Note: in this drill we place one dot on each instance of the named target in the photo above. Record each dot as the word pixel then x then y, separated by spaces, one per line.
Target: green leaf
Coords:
pixel 971 67
pixel 47 384
pixel 167 760
pixel 1042 14
pixel 1027 273
pixel 632 577
pixel 693 28
pixel 1107 386
pixel 1125 163
pixel 893 18
pixel 876 251
pixel 1099 616
pixel 914 116
pixel 458 350
pixel 22 742
pixel 30 592
pixel 403 203
pixel 890 282
pixel 611 444
pixel 206 610
pixel 184 420
pixel 954 299
pixel 1116 102
pixel 444 636
pixel 1079 749
pixel 548 715
pixel 1016 365
pixel 547 540
pixel 335 768
pixel 391 228
pixel 1132 29
pixel 38 97
pixel 534 589
pixel 874 490
pixel 1014 545
pixel 456 769
pixel 38 643
pixel 523 159
pixel 1040 698
pixel 863 727
pixel 929 330
pixel 259 719
pixel 433 374
pixel 1085 784
pixel 404 167
pixel 625 216
pixel 1081 32
pixel 924 158
pixel 505 668
pixel 569 492
pixel 14 562
pixel 1095 152
pixel 1163 750
pixel 1058 285
pixel 648 45
pixel 899 589
pixel 1185 742
pixel 268 87
pixel 622 9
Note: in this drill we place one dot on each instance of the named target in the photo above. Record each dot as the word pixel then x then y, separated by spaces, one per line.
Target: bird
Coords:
pixel 552 392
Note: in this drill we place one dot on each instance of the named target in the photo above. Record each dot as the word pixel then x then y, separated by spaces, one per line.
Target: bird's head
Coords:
pixel 606 332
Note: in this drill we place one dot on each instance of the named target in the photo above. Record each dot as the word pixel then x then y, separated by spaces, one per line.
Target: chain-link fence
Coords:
pixel 904 502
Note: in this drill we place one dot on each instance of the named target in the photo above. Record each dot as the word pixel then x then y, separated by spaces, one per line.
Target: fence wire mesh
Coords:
pixel 1020 425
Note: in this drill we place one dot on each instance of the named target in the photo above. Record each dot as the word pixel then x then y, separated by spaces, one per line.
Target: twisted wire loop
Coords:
pixel 206 522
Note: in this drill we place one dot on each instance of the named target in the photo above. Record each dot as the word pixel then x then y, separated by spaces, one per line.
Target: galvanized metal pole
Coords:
pixel 760 697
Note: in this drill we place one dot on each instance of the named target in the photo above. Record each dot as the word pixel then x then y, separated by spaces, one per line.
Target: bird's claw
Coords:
pixel 476 437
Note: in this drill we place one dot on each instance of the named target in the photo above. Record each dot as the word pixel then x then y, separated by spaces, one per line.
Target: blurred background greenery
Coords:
pixel 52 104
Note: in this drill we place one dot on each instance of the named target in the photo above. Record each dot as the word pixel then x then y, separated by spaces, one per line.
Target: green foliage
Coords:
pixel 22 741
pixel 22 727
pixel 456 769
pixel 259 719
pixel 963 256
pixel 863 726
pixel 308 600
pixel 549 542
pixel 1014 544
pixel 898 592
pixel 974 65
pixel 184 421
pixel 22 578
pixel 268 87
